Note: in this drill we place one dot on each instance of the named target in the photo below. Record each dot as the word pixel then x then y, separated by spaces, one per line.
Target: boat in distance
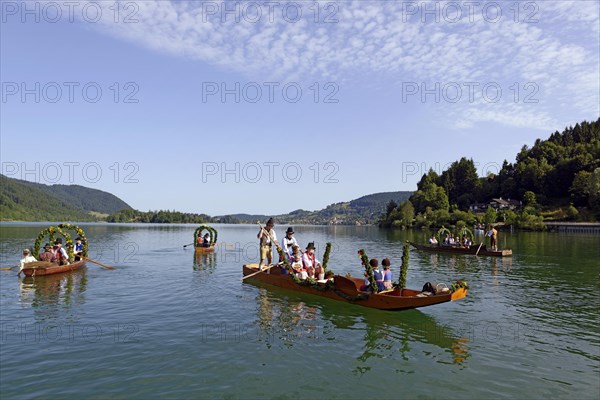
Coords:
pixel 347 289
pixel 473 249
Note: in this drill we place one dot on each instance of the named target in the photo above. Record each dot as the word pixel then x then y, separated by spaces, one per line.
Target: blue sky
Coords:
pixel 388 90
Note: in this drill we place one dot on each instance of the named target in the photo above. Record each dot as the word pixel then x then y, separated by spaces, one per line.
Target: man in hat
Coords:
pixel 61 253
pixel 310 262
pixel 288 241
pixel 47 254
pixel 27 258
pixel 78 250
pixel 267 238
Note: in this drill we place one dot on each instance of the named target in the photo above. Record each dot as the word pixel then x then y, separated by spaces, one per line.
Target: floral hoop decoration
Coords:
pixel 369 271
pixel 458 285
pixel 442 230
pixel 466 231
pixel 211 231
pixel 51 232
pixel 80 234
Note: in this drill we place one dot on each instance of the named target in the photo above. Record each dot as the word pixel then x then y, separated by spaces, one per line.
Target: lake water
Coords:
pixel 167 324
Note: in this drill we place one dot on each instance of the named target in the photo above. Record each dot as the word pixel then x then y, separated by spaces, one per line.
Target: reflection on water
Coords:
pixel 293 321
pixel 48 294
pixel 205 261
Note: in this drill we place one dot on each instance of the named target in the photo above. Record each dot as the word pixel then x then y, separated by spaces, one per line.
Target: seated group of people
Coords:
pixel 203 241
pixel 383 278
pixel 450 240
pixel 54 254
pixel 305 264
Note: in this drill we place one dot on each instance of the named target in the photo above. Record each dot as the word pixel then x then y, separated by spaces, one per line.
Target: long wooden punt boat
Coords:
pixel 347 290
pixel 40 268
pixel 202 250
pixel 462 250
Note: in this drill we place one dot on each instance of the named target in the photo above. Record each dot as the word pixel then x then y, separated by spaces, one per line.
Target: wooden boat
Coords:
pixel 347 290
pixel 202 250
pixel 462 250
pixel 40 268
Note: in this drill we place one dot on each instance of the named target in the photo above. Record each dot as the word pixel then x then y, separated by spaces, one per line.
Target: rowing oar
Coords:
pixel 479 248
pixel 186 245
pixel 9 268
pixel 259 271
pixel 96 262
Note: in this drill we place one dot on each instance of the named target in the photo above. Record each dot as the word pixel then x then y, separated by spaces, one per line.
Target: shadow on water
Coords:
pixel 295 319
pixel 48 294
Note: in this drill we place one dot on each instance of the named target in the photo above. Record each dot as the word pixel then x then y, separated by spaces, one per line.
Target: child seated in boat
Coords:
pixel 297 267
pixel 27 258
pixel 206 240
pixel 387 274
pixel 377 274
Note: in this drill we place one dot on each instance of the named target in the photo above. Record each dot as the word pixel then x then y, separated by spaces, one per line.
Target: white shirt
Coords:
pixel 286 245
pixel 307 261
pixel 27 259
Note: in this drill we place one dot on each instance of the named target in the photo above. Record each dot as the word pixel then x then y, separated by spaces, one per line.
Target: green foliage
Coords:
pixel 162 216
pixel 529 199
pixel 326 257
pixel 404 268
pixel 212 232
pixel 431 195
pixel 365 260
pixel 572 212
pixel 490 216
pixel 20 201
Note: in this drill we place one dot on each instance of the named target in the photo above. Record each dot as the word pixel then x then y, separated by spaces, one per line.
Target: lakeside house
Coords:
pixel 497 204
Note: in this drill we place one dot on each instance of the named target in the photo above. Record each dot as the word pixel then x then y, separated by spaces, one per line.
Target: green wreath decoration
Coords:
pixel 365 259
pixel 467 231
pixel 80 233
pixel 358 297
pixel 459 284
pixel 51 232
pixel 211 231
pixel 442 230
pixel 326 257
pixel 284 260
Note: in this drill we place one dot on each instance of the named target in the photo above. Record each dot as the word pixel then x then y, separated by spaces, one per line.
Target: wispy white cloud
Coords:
pixel 552 44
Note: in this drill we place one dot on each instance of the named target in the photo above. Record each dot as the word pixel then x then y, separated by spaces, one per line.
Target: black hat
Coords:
pixel 311 245
pixel 78 238
pixel 58 241
pixel 270 222
pixel 289 230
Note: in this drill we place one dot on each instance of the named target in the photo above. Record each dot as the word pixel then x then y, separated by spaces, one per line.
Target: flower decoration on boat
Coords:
pixel 458 285
pixel 212 232
pixel 80 234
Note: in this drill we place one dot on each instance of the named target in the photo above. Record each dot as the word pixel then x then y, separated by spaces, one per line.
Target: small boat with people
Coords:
pixel 347 289
pixel 53 258
pixel 475 249
pixel 462 243
pixel 204 243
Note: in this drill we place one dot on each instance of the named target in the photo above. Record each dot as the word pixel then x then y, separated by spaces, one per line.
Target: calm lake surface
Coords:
pixel 167 324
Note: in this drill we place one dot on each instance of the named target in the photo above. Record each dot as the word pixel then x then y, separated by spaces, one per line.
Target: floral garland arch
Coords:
pixel 51 232
pixel 80 234
pixel 211 231
pixel 439 234
pixel 466 231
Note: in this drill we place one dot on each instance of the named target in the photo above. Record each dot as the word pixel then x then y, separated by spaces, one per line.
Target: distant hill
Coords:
pixel 364 210
pixel 28 201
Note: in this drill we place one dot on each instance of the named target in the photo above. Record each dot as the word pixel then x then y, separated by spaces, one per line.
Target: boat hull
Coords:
pixel 202 250
pixel 41 268
pixel 346 289
pixel 463 250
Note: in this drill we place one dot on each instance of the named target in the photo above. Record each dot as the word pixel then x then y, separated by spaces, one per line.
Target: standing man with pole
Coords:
pixel 267 238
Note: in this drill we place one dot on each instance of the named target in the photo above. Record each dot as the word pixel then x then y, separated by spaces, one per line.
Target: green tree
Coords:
pixel 490 216
pixel 529 199
pixel 407 213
